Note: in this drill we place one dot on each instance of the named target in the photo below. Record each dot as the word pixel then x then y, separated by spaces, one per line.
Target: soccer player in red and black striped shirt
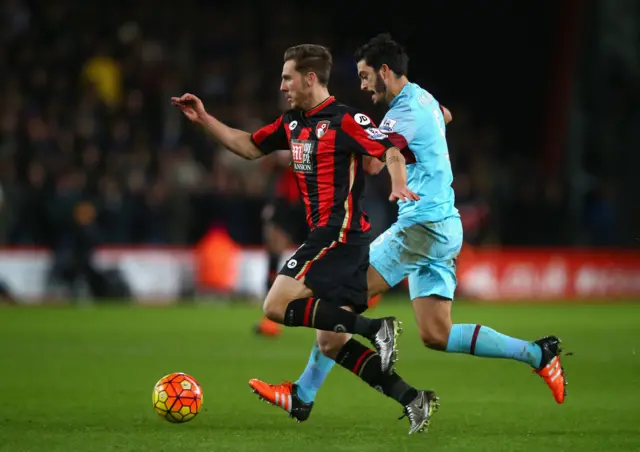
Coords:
pixel 323 285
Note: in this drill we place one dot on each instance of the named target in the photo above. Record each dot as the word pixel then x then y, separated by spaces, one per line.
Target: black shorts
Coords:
pixel 334 271
pixel 289 218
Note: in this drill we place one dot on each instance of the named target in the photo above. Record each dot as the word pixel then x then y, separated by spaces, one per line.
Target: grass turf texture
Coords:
pixel 81 379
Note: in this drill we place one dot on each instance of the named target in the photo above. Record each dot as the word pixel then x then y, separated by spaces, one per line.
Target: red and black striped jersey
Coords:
pixel 327 144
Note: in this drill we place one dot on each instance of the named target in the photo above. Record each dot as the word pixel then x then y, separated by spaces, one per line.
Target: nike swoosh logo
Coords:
pixel 386 334
pixel 420 404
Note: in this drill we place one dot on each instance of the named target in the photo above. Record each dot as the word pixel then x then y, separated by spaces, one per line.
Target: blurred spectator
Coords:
pixel 92 152
pixel 104 73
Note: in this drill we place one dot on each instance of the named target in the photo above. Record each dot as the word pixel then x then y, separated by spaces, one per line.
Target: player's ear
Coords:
pixel 385 71
pixel 311 78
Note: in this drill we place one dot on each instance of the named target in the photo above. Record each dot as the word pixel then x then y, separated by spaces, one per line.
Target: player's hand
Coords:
pixel 191 106
pixel 402 194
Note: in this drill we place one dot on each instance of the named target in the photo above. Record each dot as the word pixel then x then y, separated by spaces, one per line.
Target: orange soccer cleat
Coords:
pixel 550 369
pixel 268 328
pixel 285 396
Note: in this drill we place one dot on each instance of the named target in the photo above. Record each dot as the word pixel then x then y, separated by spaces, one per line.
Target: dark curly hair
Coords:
pixel 384 50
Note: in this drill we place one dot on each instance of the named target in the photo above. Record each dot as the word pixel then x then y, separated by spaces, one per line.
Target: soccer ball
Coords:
pixel 177 397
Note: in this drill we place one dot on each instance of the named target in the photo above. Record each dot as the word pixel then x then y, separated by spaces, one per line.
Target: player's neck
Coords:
pixel 396 85
pixel 316 98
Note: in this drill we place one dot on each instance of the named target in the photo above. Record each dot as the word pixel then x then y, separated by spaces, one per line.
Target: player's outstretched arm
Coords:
pixel 237 141
pixel 396 164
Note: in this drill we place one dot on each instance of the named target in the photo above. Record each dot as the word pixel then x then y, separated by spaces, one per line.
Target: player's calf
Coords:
pixel 433 315
pixel 314 313
pixel 417 405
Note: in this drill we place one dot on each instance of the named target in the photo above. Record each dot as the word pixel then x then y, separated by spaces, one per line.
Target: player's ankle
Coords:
pixel 367 327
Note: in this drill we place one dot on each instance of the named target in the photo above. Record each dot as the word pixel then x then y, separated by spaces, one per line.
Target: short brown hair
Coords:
pixel 311 58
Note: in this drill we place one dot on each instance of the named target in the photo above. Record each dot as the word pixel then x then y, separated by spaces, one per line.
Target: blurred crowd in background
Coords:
pixel 89 140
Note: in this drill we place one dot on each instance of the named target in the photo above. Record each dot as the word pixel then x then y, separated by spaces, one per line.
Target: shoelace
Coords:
pixel 406 413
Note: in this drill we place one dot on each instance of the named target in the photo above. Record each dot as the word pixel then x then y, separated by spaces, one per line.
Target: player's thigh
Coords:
pixel 435 272
pixel 284 290
pixel 390 259
pixel 410 244
pixel 352 294
pixel 291 284
pixel 335 272
pixel 330 342
pixel 434 278
pixel 375 282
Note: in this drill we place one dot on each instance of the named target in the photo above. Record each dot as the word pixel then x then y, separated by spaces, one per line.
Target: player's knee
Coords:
pixel 434 321
pixel 435 339
pixel 435 333
pixel 283 292
pixel 330 344
pixel 272 311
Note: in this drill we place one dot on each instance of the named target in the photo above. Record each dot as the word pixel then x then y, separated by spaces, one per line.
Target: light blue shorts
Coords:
pixel 424 251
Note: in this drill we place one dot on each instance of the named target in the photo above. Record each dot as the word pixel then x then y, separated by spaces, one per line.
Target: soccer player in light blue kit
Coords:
pixel 422 244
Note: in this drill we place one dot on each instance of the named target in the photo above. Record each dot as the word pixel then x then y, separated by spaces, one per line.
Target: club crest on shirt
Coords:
pixel 321 128
pixel 302 155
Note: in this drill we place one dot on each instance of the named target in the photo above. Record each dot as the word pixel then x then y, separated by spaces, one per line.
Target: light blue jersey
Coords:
pixel 425 241
pixel 415 118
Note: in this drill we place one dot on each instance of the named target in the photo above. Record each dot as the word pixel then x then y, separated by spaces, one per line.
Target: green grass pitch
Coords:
pixel 80 379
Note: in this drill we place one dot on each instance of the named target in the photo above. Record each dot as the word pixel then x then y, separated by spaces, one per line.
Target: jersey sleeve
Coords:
pixel 400 125
pixel 368 139
pixel 272 137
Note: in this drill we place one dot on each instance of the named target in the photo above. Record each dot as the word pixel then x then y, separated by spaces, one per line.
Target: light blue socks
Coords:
pixel 314 375
pixel 471 339
pixel 480 340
